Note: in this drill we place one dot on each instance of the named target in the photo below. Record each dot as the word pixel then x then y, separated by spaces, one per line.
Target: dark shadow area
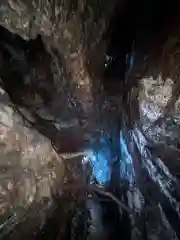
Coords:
pixel 142 27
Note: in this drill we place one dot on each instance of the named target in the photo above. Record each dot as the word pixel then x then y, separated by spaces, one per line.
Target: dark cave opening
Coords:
pixel 141 26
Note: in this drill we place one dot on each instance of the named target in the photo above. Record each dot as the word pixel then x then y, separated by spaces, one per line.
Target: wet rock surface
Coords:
pixel 79 85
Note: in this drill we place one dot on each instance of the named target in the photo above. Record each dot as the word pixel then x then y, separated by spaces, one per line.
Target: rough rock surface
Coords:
pixel 47 52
